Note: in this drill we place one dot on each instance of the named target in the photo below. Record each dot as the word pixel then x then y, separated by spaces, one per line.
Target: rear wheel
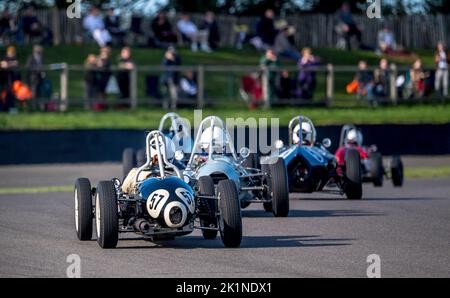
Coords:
pixel 230 214
pixel 106 215
pixel 279 189
pixel 206 188
pixel 83 209
pixel 352 176
pixel 141 158
pixel 128 161
pixel 397 171
pixel 377 170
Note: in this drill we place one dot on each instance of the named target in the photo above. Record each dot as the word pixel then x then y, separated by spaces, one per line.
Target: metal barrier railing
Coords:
pixel 212 83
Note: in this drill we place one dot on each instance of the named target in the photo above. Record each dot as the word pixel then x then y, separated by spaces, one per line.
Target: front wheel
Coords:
pixel 352 175
pixel 83 209
pixel 397 171
pixel 230 214
pixel 206 188
pixel 279 189
pixel 106 215
pixel 377 170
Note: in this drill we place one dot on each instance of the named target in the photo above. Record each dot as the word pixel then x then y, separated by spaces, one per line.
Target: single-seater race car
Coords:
pixel 155 202
pixel 373 170
pixel 174 128
pixel 214 156
pixel 312 168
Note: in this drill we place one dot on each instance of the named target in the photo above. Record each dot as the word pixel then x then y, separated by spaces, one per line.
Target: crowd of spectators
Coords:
pixel 276 38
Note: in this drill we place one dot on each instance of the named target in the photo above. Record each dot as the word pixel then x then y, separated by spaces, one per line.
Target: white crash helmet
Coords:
pixel 307 134
pixel 218 136
pixel 169 152
pixel 354 136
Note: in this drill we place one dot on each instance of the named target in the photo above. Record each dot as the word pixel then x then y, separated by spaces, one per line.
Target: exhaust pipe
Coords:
pixel 142 225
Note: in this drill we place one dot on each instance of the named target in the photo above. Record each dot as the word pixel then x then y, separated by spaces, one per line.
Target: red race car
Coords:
pixel 373 169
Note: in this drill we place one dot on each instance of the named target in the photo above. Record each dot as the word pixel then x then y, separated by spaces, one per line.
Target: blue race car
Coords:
pixel 156 203
pixel 312 168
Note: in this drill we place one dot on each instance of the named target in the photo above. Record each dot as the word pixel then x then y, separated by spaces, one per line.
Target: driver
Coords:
pixel 307 134
pixel 354 137
pixel 129 184
pixel 219 143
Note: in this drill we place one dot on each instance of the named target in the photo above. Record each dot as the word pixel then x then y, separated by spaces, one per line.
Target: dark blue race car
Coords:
pixel 312 168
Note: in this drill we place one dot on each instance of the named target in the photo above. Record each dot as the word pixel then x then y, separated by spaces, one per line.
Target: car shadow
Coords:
pixel 197 242
pixel 312 213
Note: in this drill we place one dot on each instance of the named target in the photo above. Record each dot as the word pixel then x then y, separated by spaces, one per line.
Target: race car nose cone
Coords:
pixel 175 215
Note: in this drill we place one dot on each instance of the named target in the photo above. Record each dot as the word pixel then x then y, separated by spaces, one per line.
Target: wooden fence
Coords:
pixel 315 30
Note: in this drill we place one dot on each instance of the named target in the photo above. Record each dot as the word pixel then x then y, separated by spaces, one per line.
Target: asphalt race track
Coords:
pixel 324 236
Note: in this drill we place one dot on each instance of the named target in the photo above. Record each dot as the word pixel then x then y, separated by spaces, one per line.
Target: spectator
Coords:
pixel 210 24
pixel 171 58
pixel 35 73
pixel 386 40
pixel 7 27
pixel 307 77
pixel 348 25
pixel 90 78
pixel 126 65
pixel 112 25
pixel 365 82
pixel 95 26
pixel 7 77
pixel 104 71
pixel 188 85
pixel 283 46
pixel 8 65
pixel 441 77
pixel 31 26
pixel 270 60
pixel 286 87
pixel 189 30
pixel 162 30
pixel 382 77
pixel 417 77
pixel 241 32
pixel 266 28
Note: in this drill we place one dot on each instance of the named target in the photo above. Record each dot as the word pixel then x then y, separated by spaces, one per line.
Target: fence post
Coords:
pixel 64 81
pixel 133 88
pixel 201 86
pixel 330 82
pixel 266 87
pixel 393 84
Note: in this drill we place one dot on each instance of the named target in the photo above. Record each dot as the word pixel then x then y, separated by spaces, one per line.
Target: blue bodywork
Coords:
pixel 171 184
pixel 309 168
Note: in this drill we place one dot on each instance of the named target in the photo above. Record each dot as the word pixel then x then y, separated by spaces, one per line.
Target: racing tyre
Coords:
pixel 128 161
pixel 397 171
pixel 265 170
pixel 83 209
pixel 377 170
pixel 353 188
pixel 206 188
pixel 230 209
pixel 279 188
pixel 141 158
pixel 106 215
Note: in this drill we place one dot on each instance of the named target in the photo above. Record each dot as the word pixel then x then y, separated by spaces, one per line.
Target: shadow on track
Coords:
pixel 197 242
pixel 312 213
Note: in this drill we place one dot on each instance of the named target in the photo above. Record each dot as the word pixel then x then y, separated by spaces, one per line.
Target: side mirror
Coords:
pixel 179 155
pixel 326 143
pixel 279 144
pixel 244 152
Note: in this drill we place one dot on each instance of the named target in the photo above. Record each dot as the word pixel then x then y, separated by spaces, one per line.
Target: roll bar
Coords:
pixel 174 118
pixel 159 139
pixel 213 121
